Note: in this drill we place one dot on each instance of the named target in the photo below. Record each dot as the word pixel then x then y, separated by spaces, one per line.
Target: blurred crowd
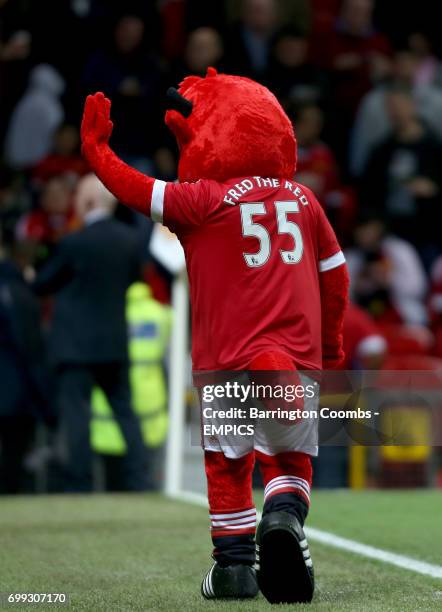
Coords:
pixel 361 81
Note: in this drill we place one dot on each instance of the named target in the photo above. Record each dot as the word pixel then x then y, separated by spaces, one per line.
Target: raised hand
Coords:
pixel 127 184
pixel 96 126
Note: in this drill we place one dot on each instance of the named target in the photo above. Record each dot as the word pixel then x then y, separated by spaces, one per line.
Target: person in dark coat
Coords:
pixel 89 276
pixel 403 176
pixel 23 376
pixel 249 40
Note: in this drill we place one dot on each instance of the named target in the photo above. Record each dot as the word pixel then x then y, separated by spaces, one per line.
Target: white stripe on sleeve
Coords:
pixel 332 262
pixel 156 209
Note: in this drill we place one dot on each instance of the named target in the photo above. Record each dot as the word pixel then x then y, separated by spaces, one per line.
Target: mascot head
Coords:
pixel 228 127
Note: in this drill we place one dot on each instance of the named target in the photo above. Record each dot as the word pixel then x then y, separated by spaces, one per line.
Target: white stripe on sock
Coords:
pixel 238 527
pixel 233 515
pixel 245 519
pixel 287 486
pixel 285 477
pixel 301 483
pixel 287 481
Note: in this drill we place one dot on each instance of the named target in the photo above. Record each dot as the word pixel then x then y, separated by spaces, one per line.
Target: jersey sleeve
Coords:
pixel 330 255
pixel 183 206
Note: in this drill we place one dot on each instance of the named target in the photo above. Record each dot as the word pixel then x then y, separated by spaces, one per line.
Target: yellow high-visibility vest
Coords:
pixel 149 325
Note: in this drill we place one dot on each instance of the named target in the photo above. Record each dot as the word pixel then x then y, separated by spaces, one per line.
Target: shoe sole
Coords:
pixel 283 576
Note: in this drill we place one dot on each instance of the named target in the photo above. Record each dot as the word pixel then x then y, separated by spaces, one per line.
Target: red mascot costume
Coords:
pixel 268 287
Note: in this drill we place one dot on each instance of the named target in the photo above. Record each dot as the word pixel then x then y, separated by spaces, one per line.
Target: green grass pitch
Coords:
pixel 145 552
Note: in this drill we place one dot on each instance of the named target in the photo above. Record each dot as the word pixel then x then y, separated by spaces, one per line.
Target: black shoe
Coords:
pixel 283 562
pixel 231 582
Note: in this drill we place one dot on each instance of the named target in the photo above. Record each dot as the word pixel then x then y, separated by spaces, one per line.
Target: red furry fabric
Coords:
pixel 276 368
pixel 229 482
pixel 272 360
pixel 237 128
pixel 334 299
pixel 128 185
pixel 286 464
pixel 297 464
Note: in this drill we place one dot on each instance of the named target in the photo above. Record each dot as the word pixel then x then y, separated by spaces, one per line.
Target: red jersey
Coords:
pixel 254 250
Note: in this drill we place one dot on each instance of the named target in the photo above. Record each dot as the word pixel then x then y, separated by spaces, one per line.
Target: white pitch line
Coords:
pixel 330 539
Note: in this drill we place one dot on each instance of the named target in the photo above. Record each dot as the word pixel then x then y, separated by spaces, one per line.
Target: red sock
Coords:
pixel 289 472
pixel 229 483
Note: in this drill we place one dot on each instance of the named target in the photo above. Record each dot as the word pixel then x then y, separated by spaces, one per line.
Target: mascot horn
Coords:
pixel 268 287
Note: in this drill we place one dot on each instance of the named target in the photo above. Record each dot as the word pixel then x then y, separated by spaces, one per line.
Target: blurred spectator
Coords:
pixel 204 48
pixel 15 56
pixel 22 372
pixel 365 347
pixel 128 74
pixel 435 304
pixel 290 74
pixel 357 54
pixel 288 11
pixel 403 177
pixel 53 219
pixel 15 200
pixel 248 44
pixel 317 167
pixel 65 158
pixel 172 14
pixel 429 70
pixel 89 276
pixel 35 118
pixel 165 164
pixel 17 47
pixel 324 15
pixel 15 40
pixel 387 277
pixel 373 123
